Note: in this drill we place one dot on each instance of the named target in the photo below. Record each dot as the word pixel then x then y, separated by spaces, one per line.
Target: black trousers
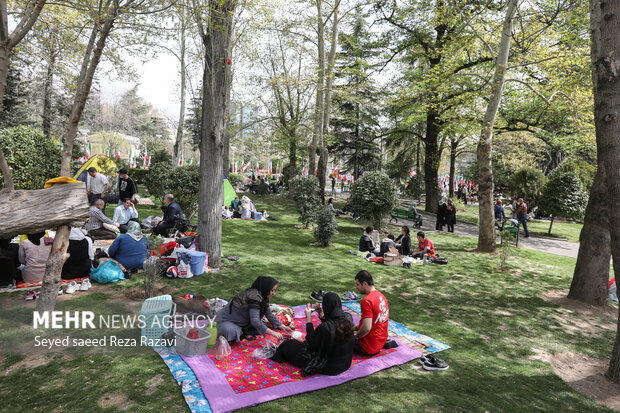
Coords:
pixel 162 229
pixel 293 352
pixel 357 349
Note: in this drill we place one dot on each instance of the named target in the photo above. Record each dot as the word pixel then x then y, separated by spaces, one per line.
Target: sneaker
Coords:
pixel 60 290
pixel 346 296
pixel 85 285
pixel 30 295
pixel 354 296
pixel 434 363
pixel 72 287
pixel 317 296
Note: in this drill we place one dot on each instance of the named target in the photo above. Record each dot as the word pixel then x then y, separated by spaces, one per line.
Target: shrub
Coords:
pixel 157 179
pixel 33 158
pixel 286 175
pixel 183 183
pixel 415 186
pixel 306 197
pixel 236 179
pixel 527 183
pixel 583 170
pixel 373 196
pixel 139 175
pixel 325 226
pixel 563 196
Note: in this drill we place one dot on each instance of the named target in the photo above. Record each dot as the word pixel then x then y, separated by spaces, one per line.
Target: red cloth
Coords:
pixel 375 307
pixel 422 245
pixel 376 259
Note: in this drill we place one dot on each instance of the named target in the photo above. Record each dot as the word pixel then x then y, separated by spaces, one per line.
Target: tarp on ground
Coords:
pixel 229 191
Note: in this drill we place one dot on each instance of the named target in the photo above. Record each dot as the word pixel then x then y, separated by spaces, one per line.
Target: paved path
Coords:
pixel 553 246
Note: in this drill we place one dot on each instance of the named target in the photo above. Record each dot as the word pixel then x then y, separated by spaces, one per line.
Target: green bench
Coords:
pixel 406 214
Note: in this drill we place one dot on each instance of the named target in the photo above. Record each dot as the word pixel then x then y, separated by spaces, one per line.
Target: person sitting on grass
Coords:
pixel 95 226
pixel 234 204
pixel 347 206
pixel 124 213
pixel 81 255
pixel 330 205
pixel 130 249
pixel 386 243
pixel 403 242
pixel 242 316
pixel 328 349
pixel 247 208
pixel 226 213
pixel 366 244
pixel 425 247
pixel 372 331
pixel 172 216
pixel 33 253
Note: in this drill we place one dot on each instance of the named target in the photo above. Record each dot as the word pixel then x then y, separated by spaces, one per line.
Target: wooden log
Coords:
pixel 53 267
pixel 28 212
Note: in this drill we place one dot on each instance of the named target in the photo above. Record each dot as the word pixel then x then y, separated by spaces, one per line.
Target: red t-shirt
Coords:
pixel 422 245
pixel 375 307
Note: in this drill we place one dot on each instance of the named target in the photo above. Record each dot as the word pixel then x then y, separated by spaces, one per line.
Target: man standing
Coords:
pixel 97 186
pixel 172 216
pixel 124 213
pixel 95 225
pixel 372 331
pixel 127 188
pixel 522 216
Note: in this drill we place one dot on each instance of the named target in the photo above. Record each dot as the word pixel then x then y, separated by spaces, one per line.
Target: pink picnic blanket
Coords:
pixel 240 380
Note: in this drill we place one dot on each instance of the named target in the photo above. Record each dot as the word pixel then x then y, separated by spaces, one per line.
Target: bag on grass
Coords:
pixel 266 352
pixel 442 260
pixel 107 272
pixel 185 270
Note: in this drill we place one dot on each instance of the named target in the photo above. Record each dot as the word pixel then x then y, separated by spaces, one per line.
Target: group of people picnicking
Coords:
pixel 371 245
pixel 25 261
pixel 328 348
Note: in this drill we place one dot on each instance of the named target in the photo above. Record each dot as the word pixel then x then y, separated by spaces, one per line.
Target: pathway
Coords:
pixel 553 246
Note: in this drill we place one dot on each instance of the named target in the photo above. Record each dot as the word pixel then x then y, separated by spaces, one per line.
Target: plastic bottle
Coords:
pixel 423 259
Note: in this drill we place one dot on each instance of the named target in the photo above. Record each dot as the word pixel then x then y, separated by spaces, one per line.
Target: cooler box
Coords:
pixel 157 313
pixel 198 261
pixel 258 216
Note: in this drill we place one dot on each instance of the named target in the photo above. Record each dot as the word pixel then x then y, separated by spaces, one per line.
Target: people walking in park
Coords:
pixel 242 316
pixel 450 216
pixel 333 184
pixel 500 215
pixel 127 187
pixel 372 331
pixel 328 349
pixel 441 215
pixel 95 226
pixel 97 186
pixel 522 216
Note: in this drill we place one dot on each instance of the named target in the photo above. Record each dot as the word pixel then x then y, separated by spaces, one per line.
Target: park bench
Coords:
pixel 513 229
pixel 409 214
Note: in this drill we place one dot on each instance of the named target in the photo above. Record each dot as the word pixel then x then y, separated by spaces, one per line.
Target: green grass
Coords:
pixel 494 321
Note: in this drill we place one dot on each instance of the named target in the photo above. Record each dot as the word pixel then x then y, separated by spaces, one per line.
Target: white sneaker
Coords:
pixel 85 285
pixel 60 290
pixel 73 287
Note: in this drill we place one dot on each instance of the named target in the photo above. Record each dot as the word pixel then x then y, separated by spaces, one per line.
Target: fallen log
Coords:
pixel 28 212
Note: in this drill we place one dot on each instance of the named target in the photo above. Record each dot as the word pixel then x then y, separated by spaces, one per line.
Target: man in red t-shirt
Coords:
pixel 372 331
pixel 425 246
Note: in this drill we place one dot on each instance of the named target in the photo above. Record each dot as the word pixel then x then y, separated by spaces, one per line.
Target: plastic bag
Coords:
pixel 107 272
pixel 222 348
pixel 266 352
pixel 185 270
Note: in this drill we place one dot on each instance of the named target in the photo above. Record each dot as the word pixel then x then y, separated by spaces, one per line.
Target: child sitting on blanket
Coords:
pixel 329 348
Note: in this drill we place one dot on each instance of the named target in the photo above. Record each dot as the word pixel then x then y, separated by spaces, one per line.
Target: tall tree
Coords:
pixel 8 42
pixel 486 231
pixel 216 38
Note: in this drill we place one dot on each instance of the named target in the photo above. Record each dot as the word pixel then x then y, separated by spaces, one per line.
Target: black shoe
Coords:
pixel 431 362
pixel 127 275
pixel 317 296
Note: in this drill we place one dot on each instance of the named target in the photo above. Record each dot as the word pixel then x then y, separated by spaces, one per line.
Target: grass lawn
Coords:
pixel 564 230
pixel 495 322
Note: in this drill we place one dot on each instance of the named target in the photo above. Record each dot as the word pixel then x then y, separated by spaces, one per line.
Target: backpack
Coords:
pixel 442 261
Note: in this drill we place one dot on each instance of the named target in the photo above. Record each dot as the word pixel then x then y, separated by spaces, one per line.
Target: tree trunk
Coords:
pixel 226 145
pixel 486 230
pixel 292 163
pixel 47 96
pixel 592 268
pixel 551 224
pixel 431 162
pixel 322 169
pixel 178 144
pixel 53 268
pixel 317 133
pixel 605 32
pixel 91 59
pixel 215 89
pixel 4 72
pixel 453 146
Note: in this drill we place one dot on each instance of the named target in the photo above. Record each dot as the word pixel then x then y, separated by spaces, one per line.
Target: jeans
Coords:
pixel 523 221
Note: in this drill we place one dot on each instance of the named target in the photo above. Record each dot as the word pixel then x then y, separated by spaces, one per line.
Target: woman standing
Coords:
pixel 329 348
pixel 450 216
pixel 242 316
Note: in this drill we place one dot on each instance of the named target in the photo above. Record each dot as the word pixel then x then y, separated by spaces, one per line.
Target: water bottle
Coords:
pixel 423 259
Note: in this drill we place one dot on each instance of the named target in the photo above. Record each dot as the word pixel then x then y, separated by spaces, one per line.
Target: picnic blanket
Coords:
pixel 209 385
pixel 21 284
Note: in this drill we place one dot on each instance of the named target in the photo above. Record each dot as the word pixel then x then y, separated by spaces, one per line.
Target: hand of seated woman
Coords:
pixel 286 329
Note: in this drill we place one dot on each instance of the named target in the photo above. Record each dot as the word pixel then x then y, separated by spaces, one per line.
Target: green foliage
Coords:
pixel 33 158
pixel 306 196
pixel 325 226
pixel 157 179
pixel 527 183
pixel 582 169
pixel 373 196
pixel 563 195
pixel 415 186
pixel 161 155
pixel 505 248
pixel 183 183
pixel 286 174
pixel 236 179
pixel 139 175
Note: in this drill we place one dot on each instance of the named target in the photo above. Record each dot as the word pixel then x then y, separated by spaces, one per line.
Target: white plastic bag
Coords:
pixel 266 352
pixel 222 348
pixel 185 270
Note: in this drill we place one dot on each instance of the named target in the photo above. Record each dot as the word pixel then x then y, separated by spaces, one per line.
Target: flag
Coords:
pixel 303 171
pixel 234 167
pixel 109 150
pixel 145 164
pixel 191 161
pixel 316 171
pixel 257 169
pixel 89 152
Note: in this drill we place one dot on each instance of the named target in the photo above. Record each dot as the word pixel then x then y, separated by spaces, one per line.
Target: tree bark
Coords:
pixel 53 268
pixel 454 143
pixel 317 133
pixel 322 169
pixel 431 161
pixel 47 96
pixel 486 230
pixel 215 89
pixel 90 62
pixel 181 126
pixel 592 268
pixel 605 32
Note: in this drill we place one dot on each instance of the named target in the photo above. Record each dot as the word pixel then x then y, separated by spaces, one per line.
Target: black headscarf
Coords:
pixel 36 238
pixel 332 307
pixel 264 285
